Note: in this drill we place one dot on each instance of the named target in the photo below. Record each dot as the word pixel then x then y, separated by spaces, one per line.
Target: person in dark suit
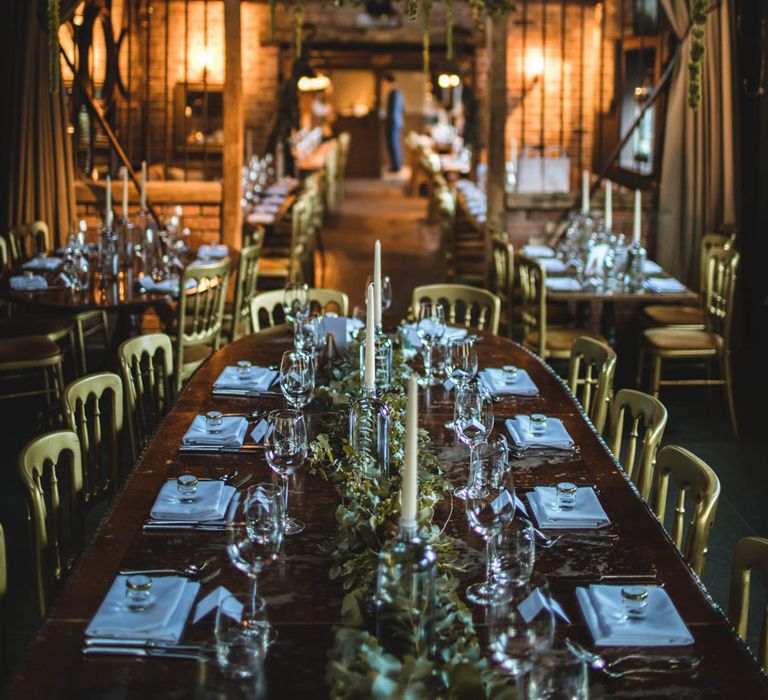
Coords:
pixel 394 122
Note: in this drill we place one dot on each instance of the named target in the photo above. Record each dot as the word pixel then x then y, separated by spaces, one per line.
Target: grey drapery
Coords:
pixel 39 180
pixel 699 161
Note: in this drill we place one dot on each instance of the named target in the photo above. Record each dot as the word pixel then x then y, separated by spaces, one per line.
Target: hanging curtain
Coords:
pixel 38 180
pixel 698 168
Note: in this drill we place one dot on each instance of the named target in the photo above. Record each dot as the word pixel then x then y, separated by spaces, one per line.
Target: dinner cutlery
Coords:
pixel 252 416
pixel 201 527
pixel 668 664
pixel 190 570
pixel 117 650
pixel 140 643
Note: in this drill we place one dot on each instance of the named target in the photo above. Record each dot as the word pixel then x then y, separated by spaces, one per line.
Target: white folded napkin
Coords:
pixel 587 513
pixel 259 379
pixel 28 283
pixel 211 502
pixel 603 612
pixel 232 433
pixel 213 252
pixel 42 263
pixel 563 284
pixel 538 251
pixel 553 264
pixel 500 382
pixel 260 217
pixel 166 286
pixel 451 333
pixel 274 199
pixel 163 621
pixel 555 435
pixel 664 285
pixel 651 268
pixel 268 208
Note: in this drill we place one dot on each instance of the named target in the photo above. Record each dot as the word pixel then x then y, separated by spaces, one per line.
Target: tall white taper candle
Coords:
pixel 377 282
pixel 585 191
pixel 410 488
pixel 636 220
pixel 369 379
pixel 143 202
pixel 609 205
pixel 108 212
pixel 125 194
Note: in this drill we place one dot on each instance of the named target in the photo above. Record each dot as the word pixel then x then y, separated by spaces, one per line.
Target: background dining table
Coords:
pixel 303 603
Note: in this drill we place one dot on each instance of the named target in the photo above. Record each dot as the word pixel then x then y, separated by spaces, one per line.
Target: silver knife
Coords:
pixel 194 526
pixel 140 651
pixel 139 643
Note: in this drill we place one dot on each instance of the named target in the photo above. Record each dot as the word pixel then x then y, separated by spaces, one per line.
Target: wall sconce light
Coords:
pixel 534 63
pixel 448 80
pixel 313 84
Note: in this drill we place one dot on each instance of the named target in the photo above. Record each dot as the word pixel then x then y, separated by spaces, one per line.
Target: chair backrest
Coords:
pixel 693 477
pixel 590 377
pixel 265 305
pixel 345 138
pixel 51 473
pixel 93 409
pixel 708 242
pixel 146 364
pixel 533 300
pixel 722 268
pixel 502 277
pixel 245 290
pixel 446 209
pixel 642 412
pixel 200 314
pixel 254 236
pixel 5 258
pixel 465 305
pixel 751 553
pixel 29 240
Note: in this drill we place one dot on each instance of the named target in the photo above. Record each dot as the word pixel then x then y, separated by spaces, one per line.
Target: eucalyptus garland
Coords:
pixel 367 517
pixel 698 50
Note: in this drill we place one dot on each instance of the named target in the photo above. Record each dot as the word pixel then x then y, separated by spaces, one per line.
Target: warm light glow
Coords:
pixel 534 62
pixel 445 80
pixel 307 84
pixel 204 58
pixel 78 19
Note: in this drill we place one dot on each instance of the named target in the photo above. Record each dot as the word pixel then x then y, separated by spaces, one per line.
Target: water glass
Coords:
pixel 538 424
pixel 308 335
pixel 213 421
pixel 186 486
pixel 242 635
pixel 558 675
pixel 473 421
pixel 635 602
pixel 430 327
pixel 286 450
pixel 513 553
pixel 244 370
pixel 565 495
pixel 297 378
pixel 517 643
pixel 461 360
pixel 295 301
pixel 138 592
pixel 386 290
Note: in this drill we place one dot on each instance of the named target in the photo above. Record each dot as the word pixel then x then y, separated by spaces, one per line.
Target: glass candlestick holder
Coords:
pixel 635 277
pixel 369 432
pixel 405 595
pixel 383 361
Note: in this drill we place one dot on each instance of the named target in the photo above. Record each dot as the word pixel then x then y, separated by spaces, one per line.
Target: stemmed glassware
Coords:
pixel 295 301
pixel 297 378
pixel 473 421
pixel 461 364
pixel 490 503
pixel 430 327
pixel 307 336
pixel 386 290
pixel 286 450
pixel 256 528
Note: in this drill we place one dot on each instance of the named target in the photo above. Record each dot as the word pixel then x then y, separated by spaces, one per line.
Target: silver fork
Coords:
pixel 675 664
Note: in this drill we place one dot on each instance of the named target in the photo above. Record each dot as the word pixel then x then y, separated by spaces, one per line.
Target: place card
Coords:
pixel 213 600
pixel 337 327
pixel 537 601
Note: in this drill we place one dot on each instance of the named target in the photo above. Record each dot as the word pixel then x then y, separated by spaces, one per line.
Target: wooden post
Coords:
pixel 496 32
pixel 232 161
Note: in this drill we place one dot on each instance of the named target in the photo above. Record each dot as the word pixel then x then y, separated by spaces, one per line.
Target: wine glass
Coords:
pixel 286 446
pixel 358 319
pixel 430 327
pixel 460 363
pixel 516 642
pixel 473 421
pixel 256 525
pixel 307 336
pixel 386 290
pixel 490 503
pixel 295 301
pixel 297 378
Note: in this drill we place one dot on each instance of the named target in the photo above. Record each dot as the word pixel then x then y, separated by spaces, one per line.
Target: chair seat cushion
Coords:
pixel 561 339
pixel 30 348
pixel 673 315
pixel 682 340
pixel 53 327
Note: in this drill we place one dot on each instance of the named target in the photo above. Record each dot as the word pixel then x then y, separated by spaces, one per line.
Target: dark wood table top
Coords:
pixel 304 604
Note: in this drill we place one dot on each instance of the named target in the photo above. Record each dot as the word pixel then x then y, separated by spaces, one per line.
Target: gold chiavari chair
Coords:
pixel 93 409
pixel 245 289
pixel 46 465
pixel 465 305
pixel 275 271
pixel 29 240
pixel 503 279
pixel 590 378
pixel 683 315
pixel 146 365
pixel 200 316
pixel 712 343
pixel 751 553
pixel 265 305
pixel 641 412
pixel 540 337
pixel 24 357
pixel 690 475
pixel 446 207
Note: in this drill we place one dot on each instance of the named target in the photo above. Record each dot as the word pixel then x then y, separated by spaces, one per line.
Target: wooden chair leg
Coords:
pixel 656 375
pixel 728 376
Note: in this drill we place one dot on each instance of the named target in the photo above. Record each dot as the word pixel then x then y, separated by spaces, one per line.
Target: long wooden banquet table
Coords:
pixel 304 605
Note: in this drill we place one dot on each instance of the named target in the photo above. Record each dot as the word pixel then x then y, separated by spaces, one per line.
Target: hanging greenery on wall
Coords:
pixel 698 50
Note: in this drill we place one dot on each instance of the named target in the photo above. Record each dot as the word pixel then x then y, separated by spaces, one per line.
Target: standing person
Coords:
pixel 394 122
